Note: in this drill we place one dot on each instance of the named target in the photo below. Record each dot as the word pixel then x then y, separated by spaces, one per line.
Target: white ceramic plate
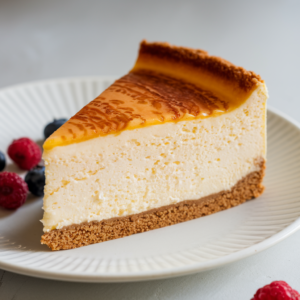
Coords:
pixel 186 248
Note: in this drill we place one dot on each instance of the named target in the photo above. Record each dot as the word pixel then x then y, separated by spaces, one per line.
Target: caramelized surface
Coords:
pixel 160 88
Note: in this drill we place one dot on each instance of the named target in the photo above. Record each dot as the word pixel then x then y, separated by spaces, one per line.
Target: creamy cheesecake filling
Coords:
pixel 146 168
pixel 86 233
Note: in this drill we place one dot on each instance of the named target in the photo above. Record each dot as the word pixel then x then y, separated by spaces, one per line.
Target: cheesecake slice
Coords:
pixel 182 135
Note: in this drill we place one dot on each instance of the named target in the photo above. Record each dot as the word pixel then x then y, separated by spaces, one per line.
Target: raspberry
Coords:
pixel 13 190
pixel 277 290
pixel 25 153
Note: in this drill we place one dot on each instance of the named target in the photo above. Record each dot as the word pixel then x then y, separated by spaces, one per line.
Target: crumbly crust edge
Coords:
pixel 78 235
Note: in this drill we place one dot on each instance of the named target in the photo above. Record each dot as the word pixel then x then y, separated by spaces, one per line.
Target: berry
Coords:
pixel 13 190
pixel 53 126
pixel 2 161
pixel 277 290
pixel 25 153
pixel 35 180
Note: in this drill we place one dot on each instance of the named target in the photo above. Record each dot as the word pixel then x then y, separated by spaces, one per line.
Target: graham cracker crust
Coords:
pixel 84 234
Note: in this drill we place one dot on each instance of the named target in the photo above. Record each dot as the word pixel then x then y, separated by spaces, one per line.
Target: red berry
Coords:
pixel 277 290
pixel 13 190
pixel 25 153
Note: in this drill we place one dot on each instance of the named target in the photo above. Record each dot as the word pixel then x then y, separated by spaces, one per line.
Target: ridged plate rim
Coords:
pixel 176 271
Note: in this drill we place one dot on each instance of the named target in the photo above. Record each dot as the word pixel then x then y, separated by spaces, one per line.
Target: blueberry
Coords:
pixel 53 126
pixel 2 161
pixel 35 180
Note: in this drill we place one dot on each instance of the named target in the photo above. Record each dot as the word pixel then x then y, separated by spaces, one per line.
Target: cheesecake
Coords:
pixel 181 136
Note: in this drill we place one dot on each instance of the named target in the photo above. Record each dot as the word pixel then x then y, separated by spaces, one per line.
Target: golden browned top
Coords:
pixel 167 84
pixel 200 59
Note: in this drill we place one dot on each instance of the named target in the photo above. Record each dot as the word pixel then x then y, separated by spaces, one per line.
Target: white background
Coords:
pixel 49 39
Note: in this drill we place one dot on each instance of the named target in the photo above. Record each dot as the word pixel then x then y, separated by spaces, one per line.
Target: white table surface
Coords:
pixel 48 39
